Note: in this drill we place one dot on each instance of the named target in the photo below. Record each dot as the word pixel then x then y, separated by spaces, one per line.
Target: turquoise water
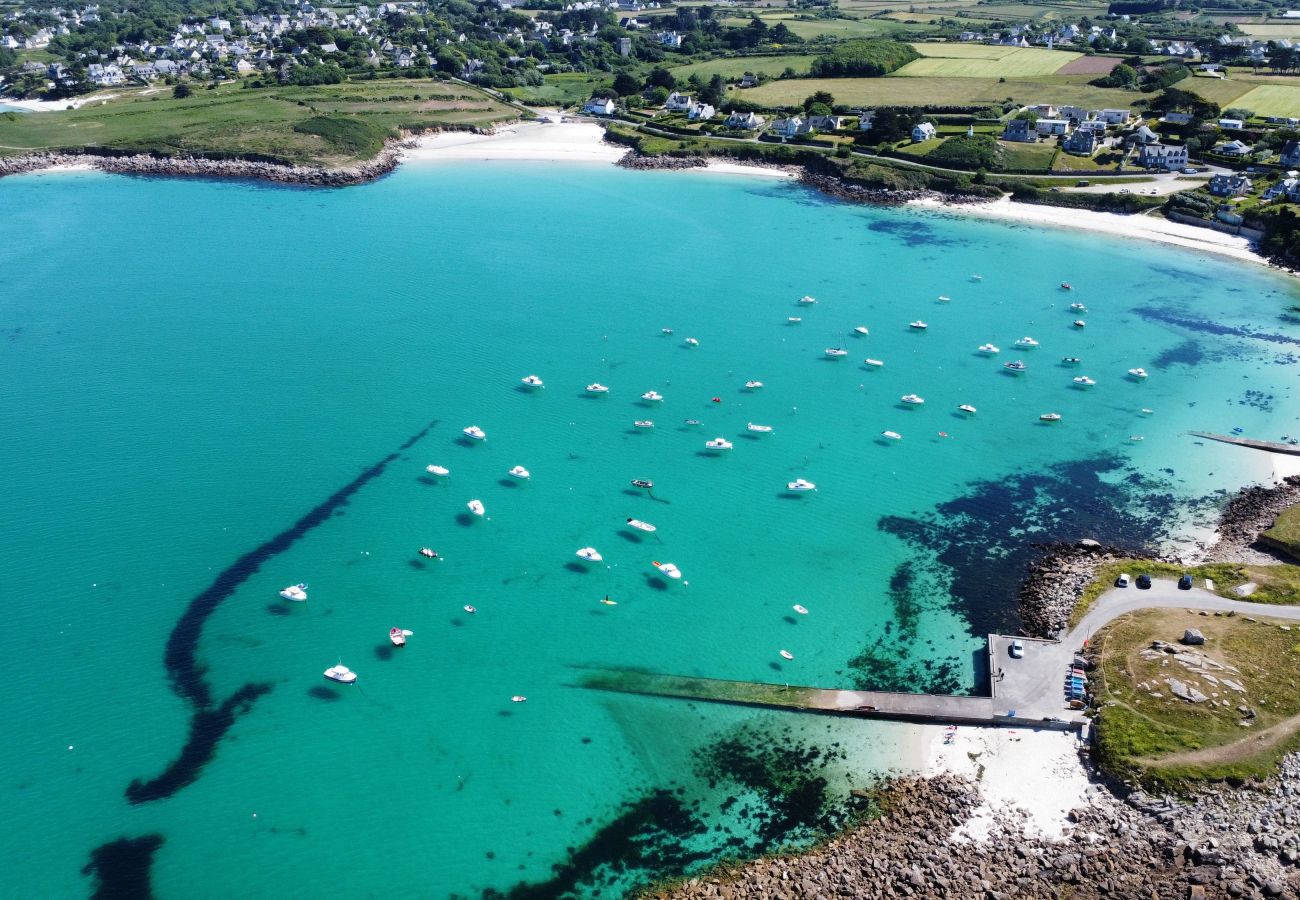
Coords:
pixel 5 107
pixel 190 367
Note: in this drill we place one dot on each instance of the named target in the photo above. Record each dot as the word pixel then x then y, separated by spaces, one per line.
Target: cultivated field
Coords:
pixel 895 91
pixel 965 61
pixel 1265 95
pixel 1272 100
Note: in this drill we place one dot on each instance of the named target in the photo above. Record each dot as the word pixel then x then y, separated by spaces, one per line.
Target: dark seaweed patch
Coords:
pixel 911 232
pixel 121 868
pixel 1188 353
pixel 981 539
pixel 1206 326
pixel 208 724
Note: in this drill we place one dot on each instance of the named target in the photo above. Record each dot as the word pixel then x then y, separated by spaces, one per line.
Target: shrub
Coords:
pixel 863 59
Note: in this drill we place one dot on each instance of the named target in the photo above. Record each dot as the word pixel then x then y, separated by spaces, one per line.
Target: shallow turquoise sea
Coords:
pixel 190 368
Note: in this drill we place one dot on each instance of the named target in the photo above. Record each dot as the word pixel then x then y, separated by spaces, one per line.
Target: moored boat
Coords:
pixel 873 363
pixel 597 388
pixel 1070 360
pixel 668 569
pixel 807 301
pixel 1026 341
pixel 967 408
pixel 428 553
pixel 474 433
pixel 793 320
pixel 918 325
pixel 476 507
pixel 786 654
pixel 718 444
pixel 1079 323
pixel 590 554
pixel 800 485
pixel 295 592
pixel 341 673
pixel 521 473
pixel 800 609
pixel 1084 381
pixel 652 397
pixel 861 329
pixel 753 385
pixel 641 526
pixel 1050 417
pixel 1138 373
pixel 644 423
pixel 692 342
pixel 835 352
pixel 440 471
pixel 532 381
pixel 891 435
pixel 912 400
pixel 759 429
pixel 397 636
pixel 1078 307
pixel 990 349
pixel 643 483
pixel 1016 368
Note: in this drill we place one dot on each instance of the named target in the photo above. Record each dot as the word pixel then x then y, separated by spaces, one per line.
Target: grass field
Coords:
pixel 896 91
pixel 1144 730
pixel 1271 31
pixel 1265 95
pixel 944 61
pixel 810 28
pixel 1272 100
pixel 230 120
pixel 559 90
pixel 734 68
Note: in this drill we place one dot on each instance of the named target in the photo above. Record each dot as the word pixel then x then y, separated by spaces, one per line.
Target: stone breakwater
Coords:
pixel 1228 843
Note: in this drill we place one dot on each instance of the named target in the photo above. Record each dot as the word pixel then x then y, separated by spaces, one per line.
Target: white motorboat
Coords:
pixel 521 473
pixel 807 301
pixel 794 320
pixel 474 433
pixel 644 423
pixel 295 592
pixel 1135 437
pixel 911 399
pixel 476 507
pixel 398 636
pixel 918 325
pixel 944 298
pixel 641 526
pixel 1026 341
pixel 668 569
pixel 977 278
pixel 692 342
pixel 1050 417
pixel 666 330
pixel 341 673
pixel 786 654
pixel 800 609
pixel 597 388
pixel 469 609
pixel 440 471
pixel 1079 323
pixel 643 483
pixel 861 329
pixel 652 396
pixel 989 349
pixel 873 363
pixel 753 385
pixel 836 352
pixel 691 422
pixel 1138 373
pixel 967 408
pixel 759 429
pixel 1078 307
pixel 590 554
pixel 428 553
pixel 1070 360
pixel 518 698
pixel 532 381
pixel 891 435
pixel 1016 368
pixel 718 444
pixel 1084 381
pixel 1146 411
pixel 799 485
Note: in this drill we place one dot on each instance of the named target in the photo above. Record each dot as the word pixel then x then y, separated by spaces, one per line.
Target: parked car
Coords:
pixel 1017 649
pixel 1185 582
pixel 1122 580
pixel 1082 182
pixel 1144 582
pixel 1189 171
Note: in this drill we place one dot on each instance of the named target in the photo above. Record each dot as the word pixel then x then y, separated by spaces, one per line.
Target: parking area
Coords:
pixel 1033 686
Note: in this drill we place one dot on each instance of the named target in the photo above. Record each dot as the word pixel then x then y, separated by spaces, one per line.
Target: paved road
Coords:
pixel 1035 683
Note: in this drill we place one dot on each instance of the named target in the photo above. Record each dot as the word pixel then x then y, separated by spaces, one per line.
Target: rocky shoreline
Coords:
pixel 856 193
pixel 1228 844
pixel 1248 513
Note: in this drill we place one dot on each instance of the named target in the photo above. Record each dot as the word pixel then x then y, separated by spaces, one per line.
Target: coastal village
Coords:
pixel 1137 737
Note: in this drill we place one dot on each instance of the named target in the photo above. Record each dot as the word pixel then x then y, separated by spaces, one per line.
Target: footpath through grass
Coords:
pixel 1247 672
pixel 327 125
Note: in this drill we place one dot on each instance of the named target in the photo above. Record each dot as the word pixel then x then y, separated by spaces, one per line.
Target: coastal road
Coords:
pixel 1033 685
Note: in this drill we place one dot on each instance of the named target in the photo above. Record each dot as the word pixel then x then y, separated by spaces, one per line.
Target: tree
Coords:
pixel 657 96
pixel 1027 114
pixel 820 97
pixel 818 109
pixel 659 77
pixel 715 91
pixel 781 34
pixel 625 84
pixel 181 91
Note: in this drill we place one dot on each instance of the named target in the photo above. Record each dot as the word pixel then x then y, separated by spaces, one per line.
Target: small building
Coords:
pixel 1020 130
pixel 1048 127
pixel 749 80
pixel 922 132
pixel 1083 142
pixel 1115 116
pixel 866 118
pixel 788 128
pixel 1231 185
pixel 1235 149
pixel 748 121
pixel 599 106
pixel 1176 118
pixel 1162 156
pixel 679 102
pixel 825 123
pixel 1232 124
pixel 700 112
pixel 624 47
pixel 1144 136
pixel 1288 188
pixel 1291 154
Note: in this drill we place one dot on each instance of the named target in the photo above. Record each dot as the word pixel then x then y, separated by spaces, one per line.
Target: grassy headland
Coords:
pixel 325 125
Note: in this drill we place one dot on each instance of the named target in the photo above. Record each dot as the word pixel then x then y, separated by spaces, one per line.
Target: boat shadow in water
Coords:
pixel 464 519
pixel 324 693
pixel 790 620
pixel 277 609
pixel 750 436
pixel 508 482
pixel 426 479
pixel 576 567
pixel 466 442
pixel 776 667
pixel 418 564
pixel 630 536
pixel 884 442
pixel 655 583
pixel 384 652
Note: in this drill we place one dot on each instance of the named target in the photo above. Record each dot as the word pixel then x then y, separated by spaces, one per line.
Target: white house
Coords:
pixel 748 121
pixel 599 106
pixel 1052 126
pixel 1231 185
pixel 922 132
pixel 1234 149
pixel 1288 187
pixel 1115 116
pixel 1233 124
pixel 1176 118
pixel 669 39
pixel 1162 156
pixel 700 112
pixel 787 128
pixel 678 102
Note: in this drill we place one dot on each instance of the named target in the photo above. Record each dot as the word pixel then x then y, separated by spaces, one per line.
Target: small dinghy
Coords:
pixel 597 388
pixel 644 423
pixel 521 473
pixel 641 526
pixel 786 654
pixel 518 698
pixel 718 444
pixel 692 422
pixel 398 636
pixel 428 553
pixel 590 554
pixel 475 433
pixel 1070 360
pixel 532 381
pixel 799 486
pixel 642 483
pixel 861 329
pixel 692 342
pixel 891 435
pixel 476 507
pixel 440 471
pixel 801 610
pixel 873 363
pixel 918 325
pixel 793 320
pixel 652 397
pixel 341 673
pixel 295 592
pixel 1066 286
pixel 944 298
pixel 608 602
pixel 665 331
pixel 1050 417
pixel 967 408
pixel 469 609
pixel 759 429
pixel 1135 437
pixel 1079 323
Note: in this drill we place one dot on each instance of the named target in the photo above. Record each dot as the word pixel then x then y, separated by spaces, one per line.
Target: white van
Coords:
pixel 1122 580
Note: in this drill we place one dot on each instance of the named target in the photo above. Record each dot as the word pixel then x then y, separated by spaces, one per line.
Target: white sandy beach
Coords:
pixel 1141 227
pixel 1033 777
pixel 56 105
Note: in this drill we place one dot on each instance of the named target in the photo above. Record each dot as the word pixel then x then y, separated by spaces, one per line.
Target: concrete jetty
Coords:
pixel 1270 446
